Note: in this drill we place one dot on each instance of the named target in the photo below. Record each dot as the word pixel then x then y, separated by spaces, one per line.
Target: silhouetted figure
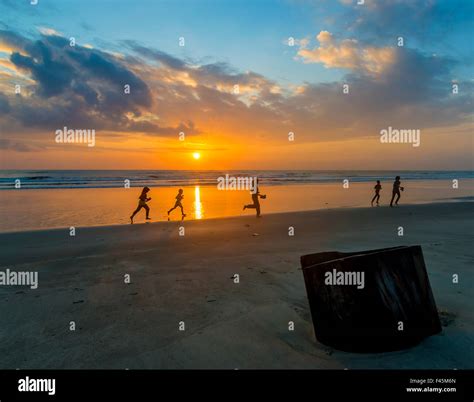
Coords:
pixel 143 199
pixel 377 188
pixel 256 203
pixel 177 204
pixel 396 190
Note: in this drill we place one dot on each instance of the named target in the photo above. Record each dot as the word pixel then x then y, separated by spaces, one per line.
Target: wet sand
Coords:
pixel 53 208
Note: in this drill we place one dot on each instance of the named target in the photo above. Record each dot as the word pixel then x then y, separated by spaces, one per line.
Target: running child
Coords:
pixel 177 204
pixel 377 188
pixel 396 190
pixel 143 199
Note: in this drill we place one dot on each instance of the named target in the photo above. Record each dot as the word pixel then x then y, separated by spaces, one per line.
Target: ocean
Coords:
pixel 69 179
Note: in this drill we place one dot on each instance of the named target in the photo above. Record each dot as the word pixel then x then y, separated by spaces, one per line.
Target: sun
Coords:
pixel 196 155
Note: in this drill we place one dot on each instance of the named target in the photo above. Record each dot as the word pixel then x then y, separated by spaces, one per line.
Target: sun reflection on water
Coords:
pixel 197 203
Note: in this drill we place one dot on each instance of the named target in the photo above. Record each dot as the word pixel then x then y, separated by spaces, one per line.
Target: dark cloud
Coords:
pixel 59 68
pixel 13 39
pixel 74 85
pixel 53 77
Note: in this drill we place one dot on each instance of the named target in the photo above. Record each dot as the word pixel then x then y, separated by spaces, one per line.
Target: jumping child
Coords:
pixel 143 199
pixel 255 199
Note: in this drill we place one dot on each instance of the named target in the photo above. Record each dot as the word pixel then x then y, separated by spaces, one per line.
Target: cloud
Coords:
pixel 218 75
pixel 10 42
pixel 8 145
pixel 413 91
pixel 73 84
pixel 83 87
pixel 347 54
pixel 156 55
pixel 4 104
pixel 53 77
pixel 49 31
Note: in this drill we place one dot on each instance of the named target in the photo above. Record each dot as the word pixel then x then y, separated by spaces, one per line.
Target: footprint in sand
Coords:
pixel 446 317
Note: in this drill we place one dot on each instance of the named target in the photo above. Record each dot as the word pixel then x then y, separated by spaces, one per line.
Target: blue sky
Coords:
pixel 247 34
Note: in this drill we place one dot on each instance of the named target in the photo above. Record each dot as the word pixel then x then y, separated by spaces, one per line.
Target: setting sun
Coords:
pixel 196 155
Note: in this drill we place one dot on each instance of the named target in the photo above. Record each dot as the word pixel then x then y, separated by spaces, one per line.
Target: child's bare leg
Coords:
pixel 398 197
pixel 147 209
pixel 391 201
pixel 135 212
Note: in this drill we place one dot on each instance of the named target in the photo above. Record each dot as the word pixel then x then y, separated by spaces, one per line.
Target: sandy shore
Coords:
pixel 19 209
pixel 190 278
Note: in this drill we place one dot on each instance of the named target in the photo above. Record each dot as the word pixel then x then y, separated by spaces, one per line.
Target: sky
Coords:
pixel 230 80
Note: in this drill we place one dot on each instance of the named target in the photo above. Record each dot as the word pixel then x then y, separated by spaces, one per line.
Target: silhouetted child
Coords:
pixel 256 202
pixel 377 188
pixel 177 204
pixel 142 204
pixel 396 190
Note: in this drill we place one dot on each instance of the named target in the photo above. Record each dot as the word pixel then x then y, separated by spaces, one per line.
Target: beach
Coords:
pixel 190 279
pixel 46 208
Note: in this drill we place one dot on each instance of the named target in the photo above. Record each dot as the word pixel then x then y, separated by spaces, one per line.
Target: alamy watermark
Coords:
pixel 20 278
pixel 77 136
pixel 395 136
pixel 28 384
pixel 237 183
pixel 349 278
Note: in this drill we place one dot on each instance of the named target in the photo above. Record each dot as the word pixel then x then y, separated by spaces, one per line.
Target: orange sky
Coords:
pixel 143 152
